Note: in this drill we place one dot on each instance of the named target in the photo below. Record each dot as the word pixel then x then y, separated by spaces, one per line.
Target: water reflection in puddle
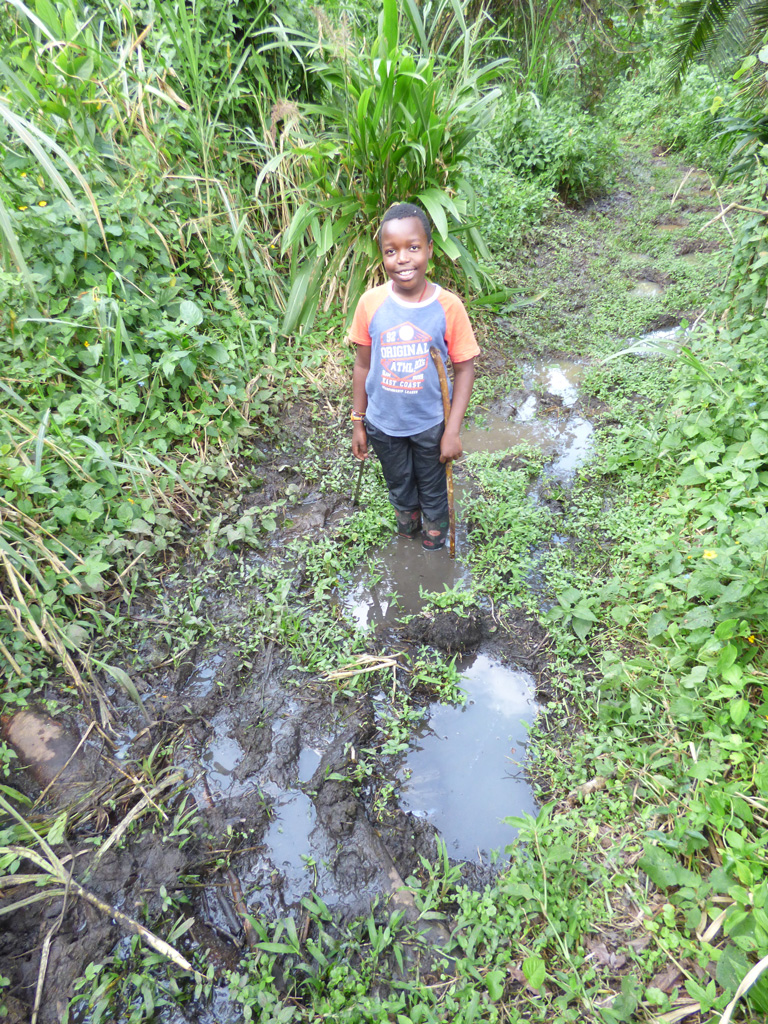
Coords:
pixel 406 570
pixel 466 765
pixel 288 840
pixel 560 379
pixel 646 290
pixel 577 436
pixel 220 759
pixel 201 682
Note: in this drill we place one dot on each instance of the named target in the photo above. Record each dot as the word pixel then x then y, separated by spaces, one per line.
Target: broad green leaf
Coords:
pixel 535 971
pixel 435 211
pixel 217 352
pixel 732 966
pixel 297 298
pixel 726 658
pixel 47 12
pixel 657 624
pixel 390 24
pixel 413 13
pixel 448 246
pixel 738 710
pixel 326 238
pixel 622 614
pixel 691 476
pixel 190 313
pixel 581 627
pixel 726 629
pixel 698 618
pixel 299 224
pixel 494 981
pixel 664 870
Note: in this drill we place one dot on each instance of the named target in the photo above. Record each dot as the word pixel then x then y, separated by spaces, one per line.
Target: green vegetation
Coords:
pixel 188 202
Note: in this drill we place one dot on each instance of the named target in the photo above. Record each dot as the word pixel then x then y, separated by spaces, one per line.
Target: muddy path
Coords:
pixel 326 707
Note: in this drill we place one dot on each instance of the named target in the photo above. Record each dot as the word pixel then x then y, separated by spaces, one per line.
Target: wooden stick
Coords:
pixel 448 467
pixel 356 496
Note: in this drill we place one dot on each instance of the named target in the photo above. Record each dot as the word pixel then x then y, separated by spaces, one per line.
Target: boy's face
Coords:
pixel 406 254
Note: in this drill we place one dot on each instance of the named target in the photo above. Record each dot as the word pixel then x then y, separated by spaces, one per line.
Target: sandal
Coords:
pixel 408 522
pixel 433 535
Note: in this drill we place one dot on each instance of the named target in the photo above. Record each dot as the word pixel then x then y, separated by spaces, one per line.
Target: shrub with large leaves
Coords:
pixel 396 127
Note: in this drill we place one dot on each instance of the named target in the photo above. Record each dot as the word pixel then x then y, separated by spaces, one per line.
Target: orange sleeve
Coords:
pixel 366 307
pixel 459 336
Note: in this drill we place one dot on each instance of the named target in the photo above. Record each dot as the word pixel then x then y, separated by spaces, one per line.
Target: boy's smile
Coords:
pixel 406 254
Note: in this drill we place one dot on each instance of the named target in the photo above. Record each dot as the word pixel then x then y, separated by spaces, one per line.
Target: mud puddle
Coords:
pixel 404 573
pixel 465 771
pixel 544 415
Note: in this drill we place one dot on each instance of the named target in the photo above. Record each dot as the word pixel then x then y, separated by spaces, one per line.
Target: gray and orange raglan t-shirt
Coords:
pixel 403 386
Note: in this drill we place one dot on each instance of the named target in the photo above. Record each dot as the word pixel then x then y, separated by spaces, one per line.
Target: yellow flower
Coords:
pixel 751 639
pixel 710 554
pixel 85 343
pixel 132 501
pixel 42 202
pixel 230 269
pixel 23 207
pixel 23 174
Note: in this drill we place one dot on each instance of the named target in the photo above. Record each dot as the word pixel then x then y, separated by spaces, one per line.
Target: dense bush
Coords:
pixel 511 203
pixel 557 144
pixel 642 104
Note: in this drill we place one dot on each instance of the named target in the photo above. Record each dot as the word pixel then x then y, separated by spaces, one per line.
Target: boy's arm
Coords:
pixel 463 379
pixel 360 400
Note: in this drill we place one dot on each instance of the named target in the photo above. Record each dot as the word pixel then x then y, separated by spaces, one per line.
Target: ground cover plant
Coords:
pixel 177 536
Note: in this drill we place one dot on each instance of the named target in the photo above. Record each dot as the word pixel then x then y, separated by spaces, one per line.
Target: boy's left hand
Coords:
pixel 450 446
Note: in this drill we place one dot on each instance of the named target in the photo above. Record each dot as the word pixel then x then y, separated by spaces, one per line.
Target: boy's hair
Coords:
pixel 399 211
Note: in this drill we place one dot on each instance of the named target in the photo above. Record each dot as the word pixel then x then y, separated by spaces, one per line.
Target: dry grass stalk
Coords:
pixel 364 664
pixel 32 434
pixel 48 635
pixel 136 812
pixel 10 659
pixel 749 980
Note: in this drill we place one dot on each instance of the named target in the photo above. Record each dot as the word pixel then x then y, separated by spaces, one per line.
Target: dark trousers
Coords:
pixel 413 471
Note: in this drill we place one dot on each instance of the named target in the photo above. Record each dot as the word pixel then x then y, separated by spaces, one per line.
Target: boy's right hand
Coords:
pixel 359 441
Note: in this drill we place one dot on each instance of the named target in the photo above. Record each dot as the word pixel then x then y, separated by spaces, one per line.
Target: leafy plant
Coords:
pixel 396 127
pixel 570 150
pixel 574 609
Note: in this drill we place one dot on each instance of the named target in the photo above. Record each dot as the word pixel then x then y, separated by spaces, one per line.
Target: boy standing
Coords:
pixel 397 400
